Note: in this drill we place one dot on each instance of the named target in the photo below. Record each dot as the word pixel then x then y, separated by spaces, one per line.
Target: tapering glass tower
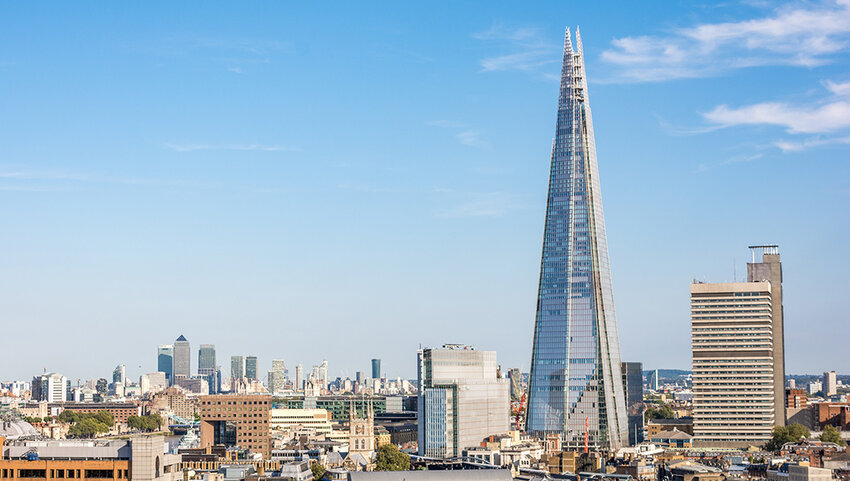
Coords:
pixel 576 382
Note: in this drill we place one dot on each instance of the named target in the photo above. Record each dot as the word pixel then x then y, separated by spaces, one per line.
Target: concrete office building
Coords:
pixel 376 369
pixel 152 382
pixel 282 419
pixel 277 376
pixel 299 377
pixel 462 400
pixel 236 420
pixel 633 386
pixel 50 387
pixel 735 358
pixel 182 359
pixel 142 458
pixel 251 367
pixel 770 270
pixel 165 361
pixel 830 383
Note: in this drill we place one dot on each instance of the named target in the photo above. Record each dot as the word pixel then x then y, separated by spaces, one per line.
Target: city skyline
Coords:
pixel 204 171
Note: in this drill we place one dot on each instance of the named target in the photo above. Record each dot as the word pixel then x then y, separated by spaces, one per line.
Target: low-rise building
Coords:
pixel 674 439
pixel 655 426
pixel 283 420
pixel 141 458
pixel 121 411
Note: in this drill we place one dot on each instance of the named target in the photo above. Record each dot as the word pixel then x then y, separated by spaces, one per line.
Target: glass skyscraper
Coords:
pixel 576 385
pixel 165 361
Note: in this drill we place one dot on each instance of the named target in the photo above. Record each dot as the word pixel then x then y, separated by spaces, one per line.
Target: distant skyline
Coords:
pixel 349 183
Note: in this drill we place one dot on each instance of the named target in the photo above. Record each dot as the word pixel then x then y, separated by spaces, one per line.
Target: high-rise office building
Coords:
pixel 633 386
pixel 576 385
pixel 376 369
pixel 736 356
pixel 165 361
pixel 206 359
pixel 119 375
pixel 830 383
pixel 277 376
pixel 182 358
pixel 515 377
pixel 237 367
pixel 299 377
pixel 654 382
pixel 462 400
pixel 323 374
pixel 50 387
pixel 251 367
pixel 770 269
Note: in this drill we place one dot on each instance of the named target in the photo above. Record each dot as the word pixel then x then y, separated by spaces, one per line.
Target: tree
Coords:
pixel 146 423
pixel 831 435
pixel 391 459
pixel 786 434
pixel 87 427
pixel 661 412
pixel 318 471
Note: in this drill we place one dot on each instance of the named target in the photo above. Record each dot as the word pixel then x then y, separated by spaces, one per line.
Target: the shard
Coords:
pixel 576 387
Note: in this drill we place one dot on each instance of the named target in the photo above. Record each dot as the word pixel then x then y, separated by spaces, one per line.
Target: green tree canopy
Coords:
pixel 831 435
pixel 389 458
pixel 318 471
pixel 146 423
pixel 786 434
pixel 659 412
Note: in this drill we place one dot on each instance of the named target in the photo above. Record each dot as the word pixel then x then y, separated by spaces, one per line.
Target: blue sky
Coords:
pixel 351 180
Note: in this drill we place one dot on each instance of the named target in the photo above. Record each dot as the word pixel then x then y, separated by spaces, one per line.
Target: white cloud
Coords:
pixel 235 70
pixel 824 119
pixel 242 147
pixel 799 146
pixel 839 89
pixel 830 115
pixel 528 50
pixel 804 36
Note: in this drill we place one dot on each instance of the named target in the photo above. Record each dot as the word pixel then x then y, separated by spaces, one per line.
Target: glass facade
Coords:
pixel 576 381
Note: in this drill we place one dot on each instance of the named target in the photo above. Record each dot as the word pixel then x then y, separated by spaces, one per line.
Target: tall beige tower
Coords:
pixel 738 355
pixel 770 269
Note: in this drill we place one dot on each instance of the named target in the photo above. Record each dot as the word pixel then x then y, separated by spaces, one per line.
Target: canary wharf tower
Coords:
pixel 576 387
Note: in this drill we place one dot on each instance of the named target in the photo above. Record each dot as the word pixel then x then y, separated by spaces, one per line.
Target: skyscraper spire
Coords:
pixel 576 382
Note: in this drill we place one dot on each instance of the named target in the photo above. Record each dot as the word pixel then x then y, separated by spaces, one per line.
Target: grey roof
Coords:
pixel 448 475
pixel 675 434
pixel 16 429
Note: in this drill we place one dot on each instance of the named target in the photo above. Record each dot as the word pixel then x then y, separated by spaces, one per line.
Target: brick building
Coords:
pixel 120 411
pixel 236 420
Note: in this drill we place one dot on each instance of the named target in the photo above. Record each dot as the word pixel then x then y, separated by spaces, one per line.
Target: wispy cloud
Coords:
pixel 830 115
pixel 242 147
pixel 527 50
pixel 463 134
pixel 803 35
pixel 235 70
pixel 799 146
pixel 737 159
